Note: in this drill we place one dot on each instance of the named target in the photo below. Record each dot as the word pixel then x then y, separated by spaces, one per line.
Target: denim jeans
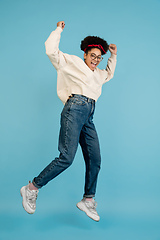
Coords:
pixel 77 127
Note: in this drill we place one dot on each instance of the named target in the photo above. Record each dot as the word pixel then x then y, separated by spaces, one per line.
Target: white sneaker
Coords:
pixel 89 207
pixel 29 199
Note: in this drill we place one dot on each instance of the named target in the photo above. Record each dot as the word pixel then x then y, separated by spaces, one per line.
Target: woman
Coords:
pixel 79 84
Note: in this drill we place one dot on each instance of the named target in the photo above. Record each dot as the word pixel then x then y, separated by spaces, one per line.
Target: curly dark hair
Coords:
pixel 96 42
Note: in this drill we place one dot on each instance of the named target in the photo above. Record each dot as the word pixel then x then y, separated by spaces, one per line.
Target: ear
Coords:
pixel 85 55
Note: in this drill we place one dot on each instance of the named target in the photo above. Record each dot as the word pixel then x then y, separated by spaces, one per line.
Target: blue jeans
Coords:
pixel 76 127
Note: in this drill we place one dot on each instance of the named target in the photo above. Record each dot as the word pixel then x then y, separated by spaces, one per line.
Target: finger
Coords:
pixel 63 24
pixel 112 48
pixel 112 45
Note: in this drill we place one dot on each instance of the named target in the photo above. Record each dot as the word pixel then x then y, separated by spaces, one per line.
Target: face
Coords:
pixel 88 58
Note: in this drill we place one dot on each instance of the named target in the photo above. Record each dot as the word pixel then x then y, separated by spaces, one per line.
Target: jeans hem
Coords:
pixel 89 196
pixel 33 182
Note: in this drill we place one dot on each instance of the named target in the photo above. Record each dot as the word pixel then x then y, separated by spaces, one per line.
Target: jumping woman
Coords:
pixel 79 84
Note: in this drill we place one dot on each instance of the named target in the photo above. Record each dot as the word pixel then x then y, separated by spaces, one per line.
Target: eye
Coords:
pixel 93 55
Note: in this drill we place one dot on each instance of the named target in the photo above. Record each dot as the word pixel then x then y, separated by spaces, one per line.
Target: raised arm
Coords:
pixel 111 64
pixel 52 46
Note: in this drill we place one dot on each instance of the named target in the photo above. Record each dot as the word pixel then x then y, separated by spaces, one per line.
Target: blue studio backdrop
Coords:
pixel 127 119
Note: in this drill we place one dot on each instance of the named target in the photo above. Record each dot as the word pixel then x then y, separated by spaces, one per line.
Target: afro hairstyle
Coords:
pixel 96 41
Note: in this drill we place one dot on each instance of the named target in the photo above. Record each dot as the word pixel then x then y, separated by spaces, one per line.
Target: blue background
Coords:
pixel 127 119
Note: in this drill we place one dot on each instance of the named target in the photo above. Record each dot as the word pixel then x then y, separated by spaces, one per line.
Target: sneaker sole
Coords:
pixel 24 204
pixel 83 208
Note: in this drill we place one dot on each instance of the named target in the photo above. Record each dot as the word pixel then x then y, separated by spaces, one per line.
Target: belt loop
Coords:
pixel 70 97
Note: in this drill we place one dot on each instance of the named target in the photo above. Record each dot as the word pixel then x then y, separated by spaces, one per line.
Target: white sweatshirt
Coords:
pixel 73 75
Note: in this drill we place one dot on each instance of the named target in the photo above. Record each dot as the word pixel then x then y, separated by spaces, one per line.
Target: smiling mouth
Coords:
pixel 93 64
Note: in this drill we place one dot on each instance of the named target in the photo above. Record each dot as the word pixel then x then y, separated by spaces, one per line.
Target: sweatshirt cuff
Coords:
pixel 113 56
pixel 59 29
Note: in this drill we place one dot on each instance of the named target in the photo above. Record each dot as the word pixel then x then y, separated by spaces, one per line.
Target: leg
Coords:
pixel 68 143
pixel 73 118
pixel 91 152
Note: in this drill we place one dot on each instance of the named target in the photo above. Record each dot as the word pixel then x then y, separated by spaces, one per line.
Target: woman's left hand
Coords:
pixel 113 48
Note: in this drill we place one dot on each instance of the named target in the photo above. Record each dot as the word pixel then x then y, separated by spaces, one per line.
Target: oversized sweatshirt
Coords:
pixel 73 75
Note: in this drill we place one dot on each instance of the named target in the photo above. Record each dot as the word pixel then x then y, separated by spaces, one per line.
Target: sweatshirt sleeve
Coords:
pixel 110 69
pixel 52 49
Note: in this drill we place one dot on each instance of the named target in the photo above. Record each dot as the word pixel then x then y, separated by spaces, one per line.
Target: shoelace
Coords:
pixel 92 205
pixel 32 196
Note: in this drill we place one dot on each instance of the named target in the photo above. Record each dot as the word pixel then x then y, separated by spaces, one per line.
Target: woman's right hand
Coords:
pixel 61 24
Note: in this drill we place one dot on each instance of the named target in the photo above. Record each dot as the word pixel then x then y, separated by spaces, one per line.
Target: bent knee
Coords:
pixel 65 162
